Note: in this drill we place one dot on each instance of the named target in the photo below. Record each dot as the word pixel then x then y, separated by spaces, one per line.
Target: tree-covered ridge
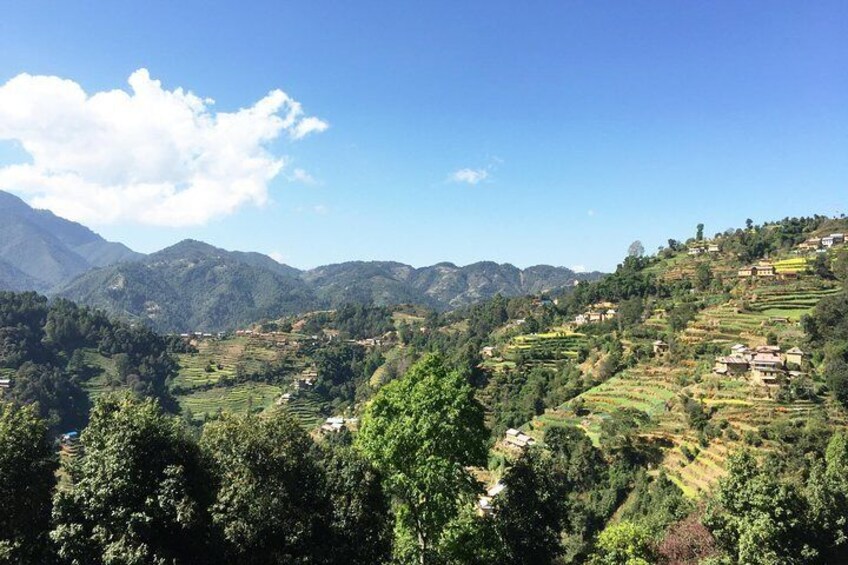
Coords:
pixel 43 354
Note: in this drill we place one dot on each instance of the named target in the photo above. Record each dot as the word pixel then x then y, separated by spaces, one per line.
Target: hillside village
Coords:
pixel 687 357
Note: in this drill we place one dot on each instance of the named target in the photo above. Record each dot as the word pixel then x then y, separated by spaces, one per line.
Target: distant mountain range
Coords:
pixel 195 286
pixel 41 251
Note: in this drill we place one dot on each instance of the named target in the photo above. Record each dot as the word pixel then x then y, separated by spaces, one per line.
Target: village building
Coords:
pixel 760 270
pixel 580 319
pixel 731 365
pixel 811 244
pixel 739 349
pixel 795 356
pixel 5 383
pixel 596 316
pixel 660 347
pixel 304 382
pixel 488 351
pixel 518 439
pixel 485 503
pixel 713 248
pixel 768 376
pixel 696 250
pixel 833 239
pixel 337 423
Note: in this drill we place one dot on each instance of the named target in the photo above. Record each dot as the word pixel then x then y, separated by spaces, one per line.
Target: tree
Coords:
pixel 530 511
pixel 361 518
pixel 422 431
pixel 703 276
pixel 268 502
pixel 27 466
pixel 749 223
pixel 624 543
pixel 756 518
pixel 699 232
pixel 139 491
pixel 636 249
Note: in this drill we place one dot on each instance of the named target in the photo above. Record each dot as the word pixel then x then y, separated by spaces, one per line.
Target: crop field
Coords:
pixel 644 387
pixel 219 359
pixel 794 265
pixel 543 349
pixel 729 322
pixel 236 399
pixel 307 408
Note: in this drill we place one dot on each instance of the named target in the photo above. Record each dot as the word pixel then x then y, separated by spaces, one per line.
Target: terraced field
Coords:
pixel 544 349
pixel 731 322
pixel 794 265
pixel 307 408
pixel 646 387
pixel 219 359
pixel 237 399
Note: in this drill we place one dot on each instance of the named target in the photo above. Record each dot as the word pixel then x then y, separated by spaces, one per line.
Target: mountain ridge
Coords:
pixel 192 285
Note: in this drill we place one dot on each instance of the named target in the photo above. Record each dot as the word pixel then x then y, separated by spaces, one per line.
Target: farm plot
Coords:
pixel 236 399
pixel 544 349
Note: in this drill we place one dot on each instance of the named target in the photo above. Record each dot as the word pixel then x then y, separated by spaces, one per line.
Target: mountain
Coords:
pixel 442 286
pixel 40 251
pixel 193 286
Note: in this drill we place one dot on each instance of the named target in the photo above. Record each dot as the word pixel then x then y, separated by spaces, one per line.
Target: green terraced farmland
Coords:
pixel 544 349
pixel 258 396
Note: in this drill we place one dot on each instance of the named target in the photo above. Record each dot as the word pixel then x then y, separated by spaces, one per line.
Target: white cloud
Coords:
pixel 470 176
pixel 578 268
pixel 302 176
pixel 320 209
pixel 151 155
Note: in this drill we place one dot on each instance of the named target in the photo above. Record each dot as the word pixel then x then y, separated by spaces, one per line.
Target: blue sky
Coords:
pixel 594 124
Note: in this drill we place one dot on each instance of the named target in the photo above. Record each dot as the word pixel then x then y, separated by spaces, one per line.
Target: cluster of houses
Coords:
pixel 337 423
pixel 518 439
pixel 766 365
pixel 203 335
pixel 305 381
pixel 5 383
pixel 821 243
pixel 701 247
pixel 600 312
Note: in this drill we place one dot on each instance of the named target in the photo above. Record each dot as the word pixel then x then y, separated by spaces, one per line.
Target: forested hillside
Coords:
pixel 689 408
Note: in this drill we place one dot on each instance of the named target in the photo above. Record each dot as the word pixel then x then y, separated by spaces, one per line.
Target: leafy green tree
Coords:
pixel 27 466
pixel 625 543
pixel 530 511
pixel 139 491
pixel 836 374
pixel 268 503
pixel 422 431
pixel 699 232
pixel 758 519
pixel 703 276
pixel 827 493
pixel 360 523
